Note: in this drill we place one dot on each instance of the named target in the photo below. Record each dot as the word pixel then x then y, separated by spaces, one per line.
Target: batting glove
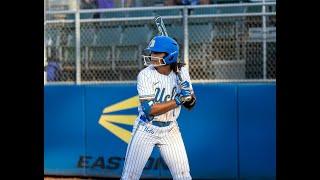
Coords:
pixel 185 85
pixel 182 96
pixel 146 118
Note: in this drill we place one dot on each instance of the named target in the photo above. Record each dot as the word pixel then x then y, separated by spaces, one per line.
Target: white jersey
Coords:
pixel 161 88
pixel 145 136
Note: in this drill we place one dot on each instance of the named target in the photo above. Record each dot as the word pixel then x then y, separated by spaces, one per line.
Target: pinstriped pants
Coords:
pixel 144 137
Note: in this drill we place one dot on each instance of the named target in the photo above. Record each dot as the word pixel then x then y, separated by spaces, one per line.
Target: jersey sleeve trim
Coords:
pixel 147 97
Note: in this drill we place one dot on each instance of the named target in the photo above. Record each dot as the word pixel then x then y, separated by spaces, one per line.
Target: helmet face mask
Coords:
pixel 154 61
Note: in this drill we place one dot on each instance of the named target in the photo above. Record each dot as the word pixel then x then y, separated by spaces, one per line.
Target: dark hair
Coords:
pixel 176 65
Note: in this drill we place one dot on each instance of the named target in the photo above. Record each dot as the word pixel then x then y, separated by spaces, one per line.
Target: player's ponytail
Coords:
pixel 176 65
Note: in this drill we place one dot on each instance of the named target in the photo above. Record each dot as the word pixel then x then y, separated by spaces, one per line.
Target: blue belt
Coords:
pixel 161 124
pixel 155 123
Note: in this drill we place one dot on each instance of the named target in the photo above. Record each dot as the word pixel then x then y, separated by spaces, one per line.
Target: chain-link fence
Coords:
pixel 230 47
pixel 224 43
pixel 61 52
pixel 112 50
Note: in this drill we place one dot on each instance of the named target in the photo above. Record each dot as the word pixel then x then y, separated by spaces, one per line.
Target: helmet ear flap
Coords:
pixel 171 58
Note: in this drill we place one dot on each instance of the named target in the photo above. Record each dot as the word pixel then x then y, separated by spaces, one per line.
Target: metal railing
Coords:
pixel 223 42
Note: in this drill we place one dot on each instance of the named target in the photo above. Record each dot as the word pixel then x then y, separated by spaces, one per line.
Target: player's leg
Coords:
pixel 173 152
pixel 138 152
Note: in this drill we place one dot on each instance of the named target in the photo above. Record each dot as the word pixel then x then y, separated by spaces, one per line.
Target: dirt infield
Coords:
pixel 89 178
pixel 61 178
pixel 55 178
pixel 73 178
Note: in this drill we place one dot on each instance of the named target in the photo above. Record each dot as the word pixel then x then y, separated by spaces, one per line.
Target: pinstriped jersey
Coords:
pixel 152 85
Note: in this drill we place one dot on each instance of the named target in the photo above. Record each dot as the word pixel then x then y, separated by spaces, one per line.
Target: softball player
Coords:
pixel 161 96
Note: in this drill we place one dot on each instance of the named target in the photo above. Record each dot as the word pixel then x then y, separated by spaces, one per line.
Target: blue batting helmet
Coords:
pixel 167 45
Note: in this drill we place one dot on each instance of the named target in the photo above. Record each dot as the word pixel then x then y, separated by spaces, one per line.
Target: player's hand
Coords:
pixel 183 96
pixel 145 118
pixel 185 92
pixel 185 85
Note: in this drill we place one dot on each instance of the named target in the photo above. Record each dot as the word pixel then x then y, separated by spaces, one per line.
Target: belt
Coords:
pixel 160 123
pixel 155 123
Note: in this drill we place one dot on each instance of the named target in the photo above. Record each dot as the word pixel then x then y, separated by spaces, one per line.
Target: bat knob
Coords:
pixel 188 98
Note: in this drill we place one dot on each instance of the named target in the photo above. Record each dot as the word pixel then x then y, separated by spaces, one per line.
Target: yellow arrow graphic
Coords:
pixel 107 120
pixel 126 104
pixel 121 133
pixel 121 119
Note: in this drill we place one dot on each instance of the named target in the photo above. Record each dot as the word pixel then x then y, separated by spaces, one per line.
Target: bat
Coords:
pixel 160 25
pixel 163 32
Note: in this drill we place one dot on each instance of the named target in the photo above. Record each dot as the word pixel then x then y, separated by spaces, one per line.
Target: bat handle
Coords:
pixel 188 98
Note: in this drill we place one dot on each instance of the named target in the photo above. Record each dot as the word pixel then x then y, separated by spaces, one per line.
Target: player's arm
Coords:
pixel 154 109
